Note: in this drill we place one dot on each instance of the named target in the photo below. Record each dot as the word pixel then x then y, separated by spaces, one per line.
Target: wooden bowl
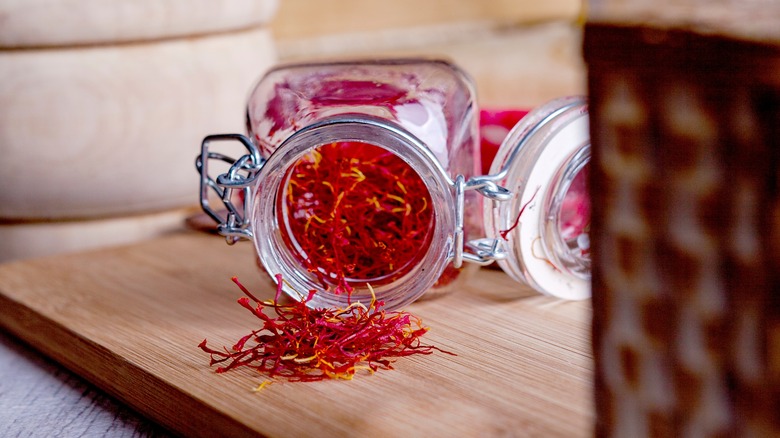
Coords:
pixel 38 239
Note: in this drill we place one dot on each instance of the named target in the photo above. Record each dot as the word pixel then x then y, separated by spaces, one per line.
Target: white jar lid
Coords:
pixel 538 162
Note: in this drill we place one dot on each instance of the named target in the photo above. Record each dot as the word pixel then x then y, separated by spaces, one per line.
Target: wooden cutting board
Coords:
pixel 129 320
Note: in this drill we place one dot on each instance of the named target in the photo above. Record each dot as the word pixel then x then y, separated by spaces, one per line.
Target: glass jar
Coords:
pixel 361 173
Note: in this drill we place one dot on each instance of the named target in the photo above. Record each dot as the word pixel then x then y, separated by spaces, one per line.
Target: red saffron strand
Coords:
pixel 506 232
pixel 301 344
pixel 355 213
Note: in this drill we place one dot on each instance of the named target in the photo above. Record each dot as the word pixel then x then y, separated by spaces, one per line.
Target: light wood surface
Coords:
pixel 300 19
pixel 129 320
pixel 50 23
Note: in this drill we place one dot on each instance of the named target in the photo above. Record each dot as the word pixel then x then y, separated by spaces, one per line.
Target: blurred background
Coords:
pixel 104 104
pixel 519 52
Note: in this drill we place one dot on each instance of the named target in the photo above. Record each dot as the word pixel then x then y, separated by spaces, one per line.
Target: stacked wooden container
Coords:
pixel 104 105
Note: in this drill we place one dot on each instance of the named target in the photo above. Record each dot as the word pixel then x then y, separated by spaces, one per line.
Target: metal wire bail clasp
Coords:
pixel 480 251
pixel 235 183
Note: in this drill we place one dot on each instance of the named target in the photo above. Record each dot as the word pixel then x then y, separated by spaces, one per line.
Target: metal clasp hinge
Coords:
pixel 480 251
pixel 235 183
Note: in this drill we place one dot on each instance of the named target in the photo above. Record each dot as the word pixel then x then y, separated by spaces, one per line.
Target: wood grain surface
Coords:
pixel 38 398
pixel 129 320
pixel 300 19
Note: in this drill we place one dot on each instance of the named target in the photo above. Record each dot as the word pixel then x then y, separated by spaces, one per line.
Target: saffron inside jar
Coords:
pixel 353 213
pixel 574 217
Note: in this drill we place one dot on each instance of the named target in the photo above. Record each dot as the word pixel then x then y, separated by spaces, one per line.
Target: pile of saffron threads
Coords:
pixel 300 344
pixel 356 213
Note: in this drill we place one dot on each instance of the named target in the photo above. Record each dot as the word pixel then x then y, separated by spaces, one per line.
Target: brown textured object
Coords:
pixel 685 186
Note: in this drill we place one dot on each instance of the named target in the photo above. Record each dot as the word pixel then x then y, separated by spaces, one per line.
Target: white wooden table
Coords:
pixel 40 398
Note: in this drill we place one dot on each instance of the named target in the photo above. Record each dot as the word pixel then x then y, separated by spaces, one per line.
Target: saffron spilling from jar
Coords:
pixel 355 213
pixel 297 343
pixel 362 186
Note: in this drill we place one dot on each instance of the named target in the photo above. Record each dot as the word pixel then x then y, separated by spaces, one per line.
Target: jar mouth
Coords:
pixel 354 213
pixel 567 209
pixel 540 161
pixel 292 239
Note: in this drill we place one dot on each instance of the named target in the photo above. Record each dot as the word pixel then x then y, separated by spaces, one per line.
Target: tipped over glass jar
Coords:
pixel 367 173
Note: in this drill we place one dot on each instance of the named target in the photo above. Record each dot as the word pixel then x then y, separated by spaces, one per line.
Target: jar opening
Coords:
pixel 280 233
pixel 574 216
pixel 353 213
pixel 569 213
